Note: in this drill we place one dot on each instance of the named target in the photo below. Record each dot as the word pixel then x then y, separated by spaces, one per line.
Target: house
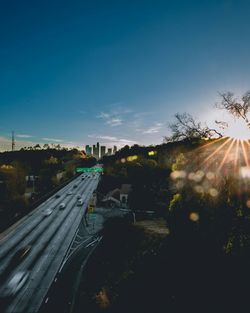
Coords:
pixel 112 198
pixel 118 197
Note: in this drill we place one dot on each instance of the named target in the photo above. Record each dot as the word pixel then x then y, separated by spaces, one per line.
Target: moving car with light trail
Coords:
pixel 15 283
pixel 62 206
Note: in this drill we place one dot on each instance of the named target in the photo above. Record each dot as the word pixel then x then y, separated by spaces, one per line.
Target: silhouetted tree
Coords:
pixel 46 146
pixel 237 108
pixel 186 128
pixel 37 147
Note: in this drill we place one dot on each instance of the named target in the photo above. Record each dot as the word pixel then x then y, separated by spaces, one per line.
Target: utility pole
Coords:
pixel 13 140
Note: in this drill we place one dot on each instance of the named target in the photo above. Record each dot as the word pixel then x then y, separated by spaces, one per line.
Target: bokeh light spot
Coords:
pixel 194 217
pixel 178 174
pixel 199 189
pixel 245 172
pixel 132 158
pixel 213 192
pixel 210 175
pixel 198 176
pixel 191 176
pixel 152 153
pixel 179 184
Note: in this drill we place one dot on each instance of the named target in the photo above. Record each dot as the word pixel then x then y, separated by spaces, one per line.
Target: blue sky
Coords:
pixel 74 72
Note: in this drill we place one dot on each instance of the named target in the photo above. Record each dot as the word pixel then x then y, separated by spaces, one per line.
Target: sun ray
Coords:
pixel 209 144
pixel 216 151
pixel 226 154
pixel 236 155
pixel 244 153
pixel 247 142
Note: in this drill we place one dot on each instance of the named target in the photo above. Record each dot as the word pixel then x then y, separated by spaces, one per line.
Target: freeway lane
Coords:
pixel 50 238
pixel 32 220
pixel 30 227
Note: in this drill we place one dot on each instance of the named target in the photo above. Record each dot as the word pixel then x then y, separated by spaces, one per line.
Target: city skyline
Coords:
pixel 99 150
pixel 12 143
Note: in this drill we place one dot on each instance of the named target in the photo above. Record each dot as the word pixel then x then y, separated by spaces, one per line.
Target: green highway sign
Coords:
pixel 89 170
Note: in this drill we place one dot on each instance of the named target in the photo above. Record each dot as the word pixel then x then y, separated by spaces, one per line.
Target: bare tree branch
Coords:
pixel 222 124
pixel 185 127
pixel 232 105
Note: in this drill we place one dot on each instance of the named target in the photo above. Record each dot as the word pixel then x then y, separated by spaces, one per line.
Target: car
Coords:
pixel 62 206
pixel 57 195
pixel 47 212
pixel 69 193
pixel 74 186
pixel 78 196
pixel 19 255
pixel 80 202
pixel 14 284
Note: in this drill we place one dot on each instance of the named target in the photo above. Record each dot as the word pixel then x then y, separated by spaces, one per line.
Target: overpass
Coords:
pixel 50 235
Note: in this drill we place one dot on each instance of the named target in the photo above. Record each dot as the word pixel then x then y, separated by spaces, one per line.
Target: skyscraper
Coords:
pixel 109 151
pixel 114 149
pixel 94 151
pixel 88 150
pixel 103 151
pixel 98 150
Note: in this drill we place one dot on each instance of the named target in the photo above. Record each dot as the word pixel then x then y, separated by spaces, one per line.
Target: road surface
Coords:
pixel 50 238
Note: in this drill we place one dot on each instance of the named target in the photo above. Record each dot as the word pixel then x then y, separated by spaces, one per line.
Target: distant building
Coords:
pixel 88 150
pixel 109 151
pixel 94 151
pixel 118 197
pixel 98 149
pixel 103 151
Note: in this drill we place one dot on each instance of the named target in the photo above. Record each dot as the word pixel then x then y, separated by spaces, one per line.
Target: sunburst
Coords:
pixel 224 156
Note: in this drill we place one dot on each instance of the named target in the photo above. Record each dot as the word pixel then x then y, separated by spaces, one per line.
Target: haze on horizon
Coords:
pixel 116 71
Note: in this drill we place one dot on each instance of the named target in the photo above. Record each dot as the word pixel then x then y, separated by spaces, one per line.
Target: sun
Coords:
pixel 238 129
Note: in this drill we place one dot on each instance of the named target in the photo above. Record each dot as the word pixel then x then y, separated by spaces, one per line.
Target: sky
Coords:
pixel 78 72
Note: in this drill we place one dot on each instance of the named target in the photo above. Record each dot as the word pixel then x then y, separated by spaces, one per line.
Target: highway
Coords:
pixel 48 238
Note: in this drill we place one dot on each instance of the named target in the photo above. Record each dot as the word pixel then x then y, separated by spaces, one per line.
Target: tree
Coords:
pixel 37 147
pixel 237 108
pixel 51 160
pixel 14 181
pixel 46 146
pixel 186 128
